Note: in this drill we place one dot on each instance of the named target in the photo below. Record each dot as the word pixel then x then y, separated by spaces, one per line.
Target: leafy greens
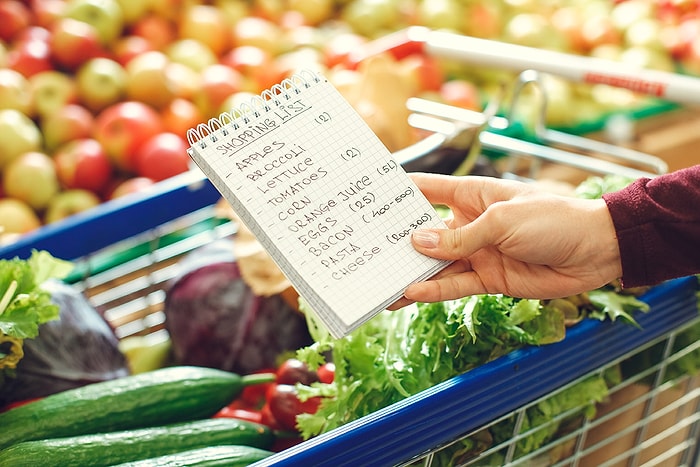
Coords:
pixel 24 304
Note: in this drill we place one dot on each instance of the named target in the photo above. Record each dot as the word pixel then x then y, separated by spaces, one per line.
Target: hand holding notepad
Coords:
pixel 322 195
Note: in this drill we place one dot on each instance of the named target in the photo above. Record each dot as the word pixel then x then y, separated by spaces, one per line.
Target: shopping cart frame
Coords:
pixel 420 423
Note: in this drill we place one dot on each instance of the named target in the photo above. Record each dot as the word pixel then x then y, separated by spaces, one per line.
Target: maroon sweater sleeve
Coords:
pixel 658 227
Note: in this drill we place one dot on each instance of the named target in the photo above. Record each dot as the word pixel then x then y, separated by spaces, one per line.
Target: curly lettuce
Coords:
pixel 24 304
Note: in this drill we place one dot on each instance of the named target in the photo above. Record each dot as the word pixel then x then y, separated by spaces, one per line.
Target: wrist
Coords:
pixel 603 229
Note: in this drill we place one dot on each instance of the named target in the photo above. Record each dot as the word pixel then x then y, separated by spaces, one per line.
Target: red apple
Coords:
pixel 46 12
pixel 163 156
pixel 73 43
pixel 30 57
pixel 427 71
pixel 218 82
pixel 70 122
pixel 15 92
pixel 157 30
pixel 130 186
pixel 254 63
pixel 31 178
pixel 180 115
pixel 83 163
pixel 15 16
pixel 340 47
pixel 122 128
pixel 17 217
pixel 68 203
pixel 129 47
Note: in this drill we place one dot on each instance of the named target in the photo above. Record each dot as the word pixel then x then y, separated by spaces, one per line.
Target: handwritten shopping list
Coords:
pixel 326 198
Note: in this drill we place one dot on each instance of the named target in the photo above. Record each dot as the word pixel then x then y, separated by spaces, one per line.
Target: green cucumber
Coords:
pixel 159 397
pixel 211 456
pixel 105 449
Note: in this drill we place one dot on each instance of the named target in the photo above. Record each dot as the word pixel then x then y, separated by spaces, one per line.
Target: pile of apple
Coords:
pixel 96 96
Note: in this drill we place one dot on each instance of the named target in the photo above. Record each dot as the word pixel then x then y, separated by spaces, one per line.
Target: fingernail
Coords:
pixel 426 238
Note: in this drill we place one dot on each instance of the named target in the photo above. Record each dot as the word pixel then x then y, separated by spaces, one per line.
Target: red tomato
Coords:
pixel 294 371
pixel 285 405
pixel 326 372
pixel 239 414
pixel 267 418
pixel 254 395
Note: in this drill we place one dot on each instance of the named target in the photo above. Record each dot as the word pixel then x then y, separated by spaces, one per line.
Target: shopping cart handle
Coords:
pixel 672 87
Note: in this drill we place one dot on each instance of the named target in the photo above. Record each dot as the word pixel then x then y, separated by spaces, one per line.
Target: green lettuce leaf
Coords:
pixel 24 305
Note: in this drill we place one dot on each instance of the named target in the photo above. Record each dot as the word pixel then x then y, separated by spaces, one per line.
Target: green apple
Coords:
pixel 18 134
pixel 101 82
pixel 52 90
pixel 16 217
pixel 192 53
pixel 15 92
pixel 314 12
pixel 105 15
pixel 70 122
pixel 232 10
pixel 68 203
pixel 31 178
pixel 133 10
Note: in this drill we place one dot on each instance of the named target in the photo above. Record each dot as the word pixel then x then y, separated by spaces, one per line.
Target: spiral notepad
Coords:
pixel 322 195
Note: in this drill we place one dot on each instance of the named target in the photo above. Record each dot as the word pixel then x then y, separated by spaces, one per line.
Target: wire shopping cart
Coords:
pixel 127 250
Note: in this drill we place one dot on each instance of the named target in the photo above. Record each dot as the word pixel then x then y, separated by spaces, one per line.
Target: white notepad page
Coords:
pixel 322 195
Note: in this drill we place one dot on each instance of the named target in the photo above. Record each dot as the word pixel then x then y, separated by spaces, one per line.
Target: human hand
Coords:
pixel 510 238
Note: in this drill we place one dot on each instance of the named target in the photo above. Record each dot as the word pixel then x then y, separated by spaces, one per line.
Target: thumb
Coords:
pixel 449 243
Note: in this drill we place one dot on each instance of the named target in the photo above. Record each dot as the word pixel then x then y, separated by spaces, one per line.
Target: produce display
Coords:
pixel 96 96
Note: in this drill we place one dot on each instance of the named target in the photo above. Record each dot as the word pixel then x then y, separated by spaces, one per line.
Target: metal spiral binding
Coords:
pixel 254 108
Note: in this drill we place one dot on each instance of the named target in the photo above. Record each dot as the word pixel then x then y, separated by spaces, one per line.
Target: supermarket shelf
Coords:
pixel 462 404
